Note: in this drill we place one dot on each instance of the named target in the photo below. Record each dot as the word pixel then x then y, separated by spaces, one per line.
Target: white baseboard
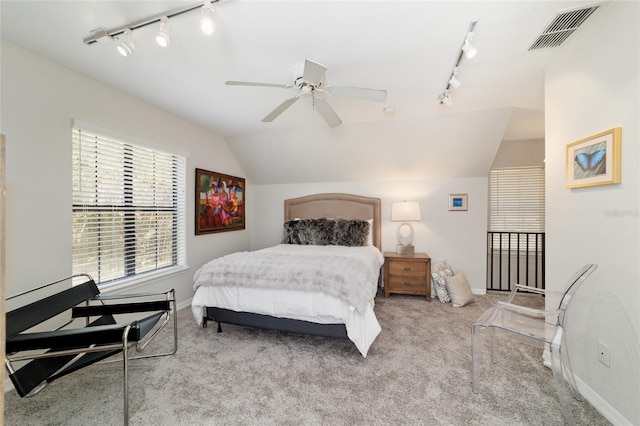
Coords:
pixel 184 304
pixel 601 405
pixel 594 399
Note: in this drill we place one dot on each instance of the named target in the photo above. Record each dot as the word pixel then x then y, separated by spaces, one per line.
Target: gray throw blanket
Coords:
pixel 345 278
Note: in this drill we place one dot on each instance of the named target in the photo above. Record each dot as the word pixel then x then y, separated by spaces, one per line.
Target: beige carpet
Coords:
pixel 418 372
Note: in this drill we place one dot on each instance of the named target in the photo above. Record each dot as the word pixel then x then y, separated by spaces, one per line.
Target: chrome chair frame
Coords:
pixel 67 349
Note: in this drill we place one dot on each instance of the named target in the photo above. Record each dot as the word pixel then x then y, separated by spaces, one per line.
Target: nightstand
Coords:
pixel 407 274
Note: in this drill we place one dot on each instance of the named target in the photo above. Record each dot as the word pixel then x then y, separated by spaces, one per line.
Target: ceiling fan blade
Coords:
pixel 313 72
pixel 327 112
pixel 253 83
pixel 375 95
pixel 280 109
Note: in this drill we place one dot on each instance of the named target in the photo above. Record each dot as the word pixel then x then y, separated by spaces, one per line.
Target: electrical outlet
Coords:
pixel 603 353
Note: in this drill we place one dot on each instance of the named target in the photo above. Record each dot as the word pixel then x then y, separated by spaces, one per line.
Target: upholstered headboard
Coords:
pixel 336 206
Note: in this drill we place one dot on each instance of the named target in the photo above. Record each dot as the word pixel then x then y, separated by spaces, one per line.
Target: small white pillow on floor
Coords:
pixel 459 290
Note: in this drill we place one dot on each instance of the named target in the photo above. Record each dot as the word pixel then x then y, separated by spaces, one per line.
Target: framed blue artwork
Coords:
pixel 594 160
pixel 458 202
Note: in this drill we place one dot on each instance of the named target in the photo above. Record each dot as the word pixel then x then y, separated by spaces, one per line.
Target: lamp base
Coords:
pixel 404 250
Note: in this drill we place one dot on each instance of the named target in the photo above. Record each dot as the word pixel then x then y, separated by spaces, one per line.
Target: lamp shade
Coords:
pixel 405 211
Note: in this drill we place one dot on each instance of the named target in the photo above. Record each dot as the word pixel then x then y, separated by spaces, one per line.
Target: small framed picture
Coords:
pixel 458 202
pixel 594 160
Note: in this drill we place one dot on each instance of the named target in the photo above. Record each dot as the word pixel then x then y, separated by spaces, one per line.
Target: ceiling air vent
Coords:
pixel 561 27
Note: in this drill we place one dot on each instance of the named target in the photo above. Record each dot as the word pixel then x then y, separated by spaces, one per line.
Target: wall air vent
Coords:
pixel 561 27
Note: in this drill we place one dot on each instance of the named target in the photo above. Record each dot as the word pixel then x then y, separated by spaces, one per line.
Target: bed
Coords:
pixel 322 280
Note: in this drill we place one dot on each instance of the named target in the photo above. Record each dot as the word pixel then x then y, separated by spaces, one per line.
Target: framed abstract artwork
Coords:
pixel 458 202
pixel 595 160
pixel 220 202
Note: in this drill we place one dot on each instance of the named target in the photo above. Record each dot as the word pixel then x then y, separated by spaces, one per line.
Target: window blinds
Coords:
pixel 128 208
pixel 516 200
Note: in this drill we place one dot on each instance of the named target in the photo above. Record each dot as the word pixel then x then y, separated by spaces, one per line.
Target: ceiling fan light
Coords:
pixel 206 21
pixel 162 38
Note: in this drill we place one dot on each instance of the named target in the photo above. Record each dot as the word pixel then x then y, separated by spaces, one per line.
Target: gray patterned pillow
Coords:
pixel 439 283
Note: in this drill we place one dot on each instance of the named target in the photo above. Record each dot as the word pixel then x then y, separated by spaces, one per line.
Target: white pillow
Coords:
pixel 459 290
pixel 438 266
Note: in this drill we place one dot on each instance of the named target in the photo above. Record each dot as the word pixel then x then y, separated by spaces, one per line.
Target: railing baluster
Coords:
pixel 538 258
pixel 500 263
pixel 542 284
pixel 518 260
pixel 509 260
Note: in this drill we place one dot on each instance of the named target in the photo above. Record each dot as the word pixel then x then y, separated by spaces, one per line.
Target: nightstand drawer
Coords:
pixel 407 283
pixel 408 269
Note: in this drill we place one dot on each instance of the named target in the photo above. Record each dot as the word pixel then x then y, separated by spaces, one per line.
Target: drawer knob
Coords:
pixel 407 269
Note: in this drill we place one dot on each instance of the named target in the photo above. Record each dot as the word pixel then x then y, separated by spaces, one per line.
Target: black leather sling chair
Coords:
pixel 47 338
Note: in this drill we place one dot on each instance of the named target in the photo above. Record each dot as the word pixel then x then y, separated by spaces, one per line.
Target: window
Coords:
pixel 516 204
pixel 128 208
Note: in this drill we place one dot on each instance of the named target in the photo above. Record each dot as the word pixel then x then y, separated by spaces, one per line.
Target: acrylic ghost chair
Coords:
pixel 541 328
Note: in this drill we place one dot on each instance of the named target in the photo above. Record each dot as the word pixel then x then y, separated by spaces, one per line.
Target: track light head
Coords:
pixel 445 98
pixel 207 25
pixel 163 38
pixel 127 45
pixel 453 81
pixel 468 48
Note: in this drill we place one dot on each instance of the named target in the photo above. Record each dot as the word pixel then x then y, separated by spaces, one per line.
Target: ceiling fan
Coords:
pixel 311 83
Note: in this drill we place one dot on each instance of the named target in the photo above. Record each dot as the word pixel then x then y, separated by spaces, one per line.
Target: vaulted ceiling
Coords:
pixel 407 48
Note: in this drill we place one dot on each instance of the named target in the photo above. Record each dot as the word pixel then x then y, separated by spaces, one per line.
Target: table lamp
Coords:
pixel 405 211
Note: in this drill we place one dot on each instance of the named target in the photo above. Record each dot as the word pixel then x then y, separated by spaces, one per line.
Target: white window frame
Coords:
pixel 99 190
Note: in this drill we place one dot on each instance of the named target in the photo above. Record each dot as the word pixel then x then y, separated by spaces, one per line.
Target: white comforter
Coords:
pixel 339 286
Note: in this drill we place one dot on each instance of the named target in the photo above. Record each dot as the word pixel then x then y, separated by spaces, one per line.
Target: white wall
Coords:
pixel 520 153
pixel 459 237
pixel 593 87
pixel 39 100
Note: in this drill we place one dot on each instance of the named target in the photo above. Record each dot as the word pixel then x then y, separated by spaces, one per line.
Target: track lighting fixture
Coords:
pixel 206 21
pixel 469 52
pixel 163 38
pixel 123 36
pixel 127 45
